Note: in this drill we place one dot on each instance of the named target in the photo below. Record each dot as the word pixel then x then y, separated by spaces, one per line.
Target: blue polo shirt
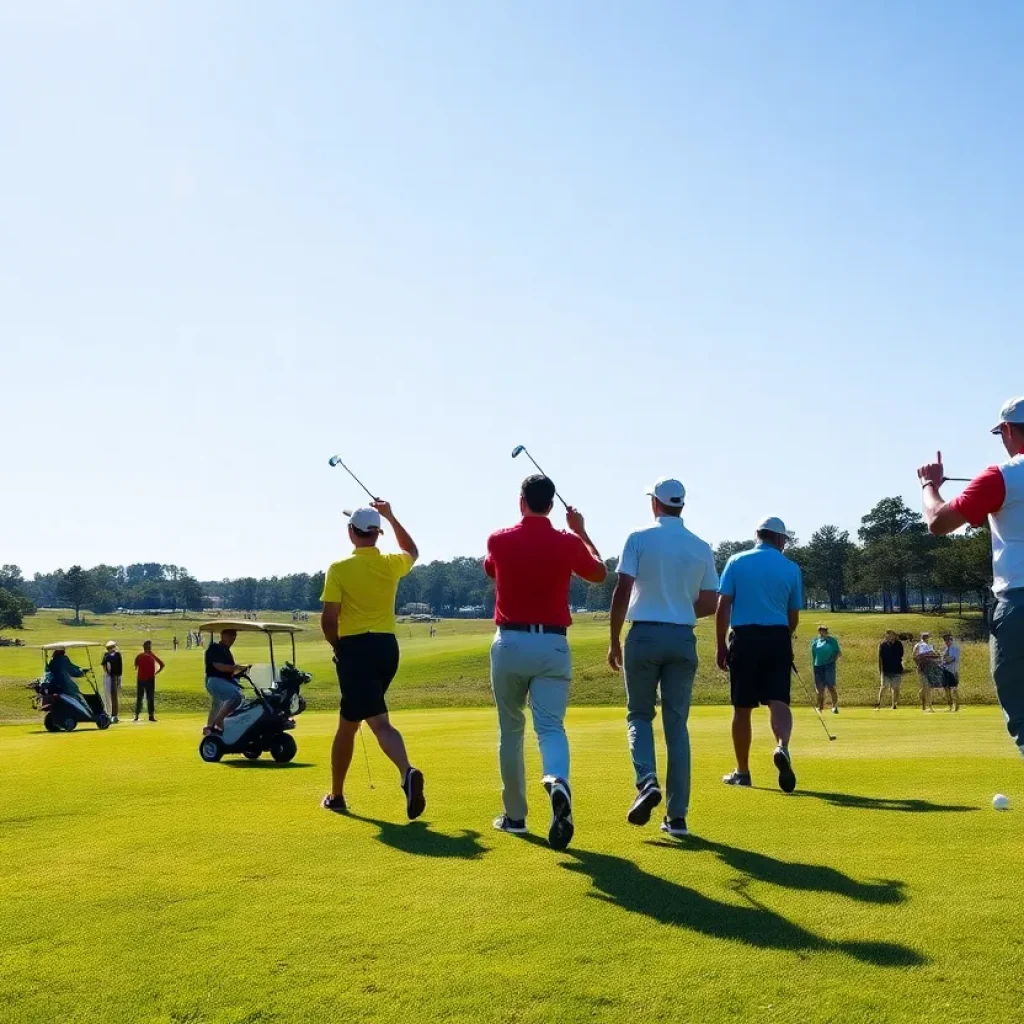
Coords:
pixel 765 586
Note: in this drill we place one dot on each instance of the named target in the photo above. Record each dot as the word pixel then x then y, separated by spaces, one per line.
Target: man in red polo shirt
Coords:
pixel 531 565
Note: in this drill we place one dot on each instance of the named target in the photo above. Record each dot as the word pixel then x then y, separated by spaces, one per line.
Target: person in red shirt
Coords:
pixel 147 667
pixel 995 497
pixel 531 565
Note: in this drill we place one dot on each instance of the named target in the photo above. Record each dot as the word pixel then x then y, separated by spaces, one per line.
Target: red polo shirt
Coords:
pixel 531 565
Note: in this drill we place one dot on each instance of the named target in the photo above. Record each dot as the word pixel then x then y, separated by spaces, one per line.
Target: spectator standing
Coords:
pixel 950 663
pixel 928 673
pixel 825 653
pixel 890 668
pixel 113 667
pixel 147 667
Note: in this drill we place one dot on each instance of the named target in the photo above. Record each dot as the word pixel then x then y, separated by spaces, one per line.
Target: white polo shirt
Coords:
pixel 670 566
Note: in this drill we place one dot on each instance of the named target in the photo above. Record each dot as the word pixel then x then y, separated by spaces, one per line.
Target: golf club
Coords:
pixel 810 697
pixel 366 756
pixel 521 449
pixel 335 460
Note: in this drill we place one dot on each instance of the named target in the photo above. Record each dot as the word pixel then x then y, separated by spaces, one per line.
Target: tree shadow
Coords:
pixel 793 875
pixel 267 764
pixel 416 837
pixel 872 803
pixel 623 884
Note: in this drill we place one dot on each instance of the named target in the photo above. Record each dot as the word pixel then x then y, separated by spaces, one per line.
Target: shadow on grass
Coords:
pixel 872 803
pixel 793 875
pixel 623 884
pixel 270 763
pixel 416 837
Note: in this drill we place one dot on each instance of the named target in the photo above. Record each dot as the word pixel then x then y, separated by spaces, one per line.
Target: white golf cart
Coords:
pixel 261 723
pixel 64 706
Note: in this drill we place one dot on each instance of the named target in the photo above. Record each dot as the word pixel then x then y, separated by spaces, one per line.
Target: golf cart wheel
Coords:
pixel 50 723
pixel 283 748
pixel 103 722
pixel 252 754
pixel 67 723
pixel 211 749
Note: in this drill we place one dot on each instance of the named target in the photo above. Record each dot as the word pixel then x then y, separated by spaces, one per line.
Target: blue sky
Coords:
pixel 774 249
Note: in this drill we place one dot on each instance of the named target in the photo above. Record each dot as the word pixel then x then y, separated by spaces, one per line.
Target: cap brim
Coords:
pixel 997 428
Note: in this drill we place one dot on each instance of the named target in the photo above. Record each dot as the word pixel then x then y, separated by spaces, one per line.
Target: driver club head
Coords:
pixel 334 460
pixel 518 450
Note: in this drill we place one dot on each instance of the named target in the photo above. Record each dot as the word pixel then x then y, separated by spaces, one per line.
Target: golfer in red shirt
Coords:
pixel 531 565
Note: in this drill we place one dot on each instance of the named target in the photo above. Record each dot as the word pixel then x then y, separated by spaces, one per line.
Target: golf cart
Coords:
pixel 260 723
pixel 62 711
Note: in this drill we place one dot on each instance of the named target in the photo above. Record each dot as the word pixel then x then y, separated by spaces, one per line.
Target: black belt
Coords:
pixel 525 627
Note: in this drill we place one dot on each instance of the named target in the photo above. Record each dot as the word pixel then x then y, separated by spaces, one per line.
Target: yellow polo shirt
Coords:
pixel 365 584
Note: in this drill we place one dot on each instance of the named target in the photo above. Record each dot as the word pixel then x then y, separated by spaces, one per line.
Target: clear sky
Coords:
pixel 773 248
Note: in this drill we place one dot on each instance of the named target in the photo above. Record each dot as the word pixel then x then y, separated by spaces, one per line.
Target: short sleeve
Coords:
pixel 710 580
pixel 400 564
pixel 727 584
pixel 332 586
pixel 629 563
pixel 983 496
pixel 581 561
pixel 796 592
pixel 489 568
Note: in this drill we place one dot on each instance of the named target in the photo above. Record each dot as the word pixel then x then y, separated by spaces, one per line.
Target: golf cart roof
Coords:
pixel 69 644
pixel 248 626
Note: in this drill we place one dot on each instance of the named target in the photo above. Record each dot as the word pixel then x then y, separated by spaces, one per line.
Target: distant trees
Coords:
pixel 826 558
pixel 14 605
pixel 76 588
pixel 727 549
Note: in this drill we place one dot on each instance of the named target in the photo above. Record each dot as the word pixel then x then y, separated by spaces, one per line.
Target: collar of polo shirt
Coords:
pixel 535 520
pixel 365 552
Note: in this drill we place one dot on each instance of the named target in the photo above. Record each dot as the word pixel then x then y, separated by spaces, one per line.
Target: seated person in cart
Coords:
pixel 221 681
pixel 63 673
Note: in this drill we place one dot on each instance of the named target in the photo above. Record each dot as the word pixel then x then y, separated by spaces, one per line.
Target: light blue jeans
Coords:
pixel 537 666
pixel 661 654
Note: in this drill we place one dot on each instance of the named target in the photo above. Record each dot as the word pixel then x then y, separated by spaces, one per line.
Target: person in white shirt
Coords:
pixel 951 672
pixel 927 661
pixel 667 580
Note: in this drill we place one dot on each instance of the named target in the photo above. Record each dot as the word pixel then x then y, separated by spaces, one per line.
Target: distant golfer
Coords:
pixel 929 675
pixel 825 653
pixel 147 667
pixel 950 664
pixel 890 668
pixel 222 681
pixel 531 564
pixel 996 496
pixel 760 596
pixel 667 580
pixel 112 668
pixel 358 621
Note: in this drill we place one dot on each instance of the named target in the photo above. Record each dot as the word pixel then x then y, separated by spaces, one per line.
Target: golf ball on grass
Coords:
pixel 1000 802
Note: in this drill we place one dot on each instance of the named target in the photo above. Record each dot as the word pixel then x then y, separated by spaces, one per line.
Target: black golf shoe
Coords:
pixel 675 827
pixel 647 798
pixel 334 803
pixel 415 801
pixel 503 823
pixel 561 831
pixel 787 777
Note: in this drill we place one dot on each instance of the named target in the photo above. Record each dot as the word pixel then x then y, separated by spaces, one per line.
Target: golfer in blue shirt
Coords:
pixel 759 598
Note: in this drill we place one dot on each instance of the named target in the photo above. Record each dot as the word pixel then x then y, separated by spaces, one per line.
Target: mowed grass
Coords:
pixel 451 668
pixel 142 885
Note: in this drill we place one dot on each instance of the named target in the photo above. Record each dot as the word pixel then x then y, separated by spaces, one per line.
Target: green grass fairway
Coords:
pixel 451 669
pixel 141 885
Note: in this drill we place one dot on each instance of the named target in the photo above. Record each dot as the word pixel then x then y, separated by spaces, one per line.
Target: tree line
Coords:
pixel 893 564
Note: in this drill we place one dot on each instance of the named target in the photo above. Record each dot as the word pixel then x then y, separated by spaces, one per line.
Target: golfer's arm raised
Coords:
pixel 574 520
pixel 405 542
pixel 941 519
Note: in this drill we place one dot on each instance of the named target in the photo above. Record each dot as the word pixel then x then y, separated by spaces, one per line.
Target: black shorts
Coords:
pixel 949 680
pixel 366 664
pixel 760 662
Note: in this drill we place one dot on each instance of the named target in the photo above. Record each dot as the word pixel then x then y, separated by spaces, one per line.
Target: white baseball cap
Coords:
pixel 773 524
pixel 365 519
pixel 668 491
pixel 111 643
pixel 1011 412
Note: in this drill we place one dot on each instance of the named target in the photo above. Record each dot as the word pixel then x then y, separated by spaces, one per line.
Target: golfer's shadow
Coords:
pixel 417 837
pixel 793 875
pixel 872 803
pixel 623 884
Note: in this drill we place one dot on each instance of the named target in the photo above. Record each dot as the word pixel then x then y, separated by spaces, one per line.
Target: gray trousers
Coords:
pixel 1006 647
pixel 537 666
pixel 661 655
